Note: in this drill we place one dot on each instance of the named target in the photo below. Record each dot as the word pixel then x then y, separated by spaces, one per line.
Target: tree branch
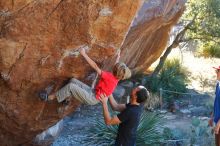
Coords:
pixel 175 43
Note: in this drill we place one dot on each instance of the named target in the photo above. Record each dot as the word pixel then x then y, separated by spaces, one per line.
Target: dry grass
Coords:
pixel 153 101
pixel 201 69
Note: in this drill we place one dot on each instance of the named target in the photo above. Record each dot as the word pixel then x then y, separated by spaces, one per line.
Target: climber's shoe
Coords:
pixel 66 102
pixel 43 95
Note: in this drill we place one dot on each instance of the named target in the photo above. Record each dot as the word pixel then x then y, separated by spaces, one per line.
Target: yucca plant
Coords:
pixel 149 131
pixel 172 77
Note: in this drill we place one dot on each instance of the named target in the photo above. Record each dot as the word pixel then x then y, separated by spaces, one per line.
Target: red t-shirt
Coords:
pixel 107 84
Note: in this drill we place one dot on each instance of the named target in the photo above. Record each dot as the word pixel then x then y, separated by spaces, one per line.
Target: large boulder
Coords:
pixel 38 43
pixel 149 33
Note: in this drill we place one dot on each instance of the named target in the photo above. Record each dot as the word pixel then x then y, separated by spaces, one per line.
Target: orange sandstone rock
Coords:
pixel 38 43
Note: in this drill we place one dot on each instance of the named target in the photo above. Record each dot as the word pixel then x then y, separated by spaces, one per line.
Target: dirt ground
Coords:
pixel 76 125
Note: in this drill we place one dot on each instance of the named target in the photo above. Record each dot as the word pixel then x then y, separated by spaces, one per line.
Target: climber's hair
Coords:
pixel 121 71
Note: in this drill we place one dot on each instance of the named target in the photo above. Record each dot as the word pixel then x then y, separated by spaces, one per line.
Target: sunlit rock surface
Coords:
pixel 38 43
pixel 149 33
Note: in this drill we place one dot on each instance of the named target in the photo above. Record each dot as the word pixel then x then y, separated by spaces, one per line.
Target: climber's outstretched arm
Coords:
pixel 118 56
pixel 90 61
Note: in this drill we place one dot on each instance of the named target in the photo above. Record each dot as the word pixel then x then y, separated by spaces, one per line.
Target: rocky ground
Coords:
pixel 77 123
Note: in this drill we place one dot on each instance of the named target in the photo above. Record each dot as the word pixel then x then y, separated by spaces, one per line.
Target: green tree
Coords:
pixel 205 30
pixel 200 25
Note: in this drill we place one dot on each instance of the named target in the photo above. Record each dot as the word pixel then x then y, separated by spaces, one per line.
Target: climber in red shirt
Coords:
pixel 86 94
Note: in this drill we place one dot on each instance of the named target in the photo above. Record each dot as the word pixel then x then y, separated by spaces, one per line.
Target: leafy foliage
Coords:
pixel 206 27
pixel 209 50
pixel 148 133
pixel 172 77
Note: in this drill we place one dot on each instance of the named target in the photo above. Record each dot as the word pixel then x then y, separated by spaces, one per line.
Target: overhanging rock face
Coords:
pixel 149 33
pixel 38 43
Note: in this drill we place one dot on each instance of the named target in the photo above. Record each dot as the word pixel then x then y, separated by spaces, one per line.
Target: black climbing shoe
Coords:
pixel 66 102
pixel 43 95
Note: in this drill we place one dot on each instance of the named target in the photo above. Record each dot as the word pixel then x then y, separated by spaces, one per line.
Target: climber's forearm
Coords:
pixel 118 56
pixel 92 63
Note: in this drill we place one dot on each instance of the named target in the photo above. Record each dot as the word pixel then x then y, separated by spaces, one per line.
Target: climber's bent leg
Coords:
pixel 80 84
pixel 72 89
